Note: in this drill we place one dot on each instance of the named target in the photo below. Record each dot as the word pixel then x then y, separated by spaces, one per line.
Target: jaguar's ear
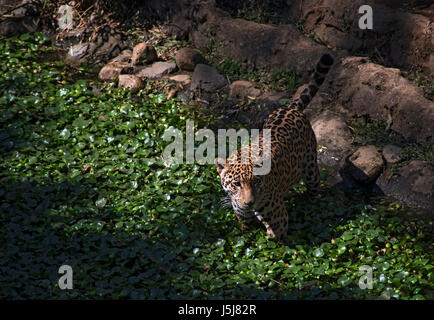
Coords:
pixel 219 164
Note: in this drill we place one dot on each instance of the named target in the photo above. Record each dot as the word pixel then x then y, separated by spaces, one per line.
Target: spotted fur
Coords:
pixel 293 156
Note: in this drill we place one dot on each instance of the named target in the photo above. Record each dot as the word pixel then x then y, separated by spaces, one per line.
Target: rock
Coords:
pixel 255 116
pixel 207 78
pixel 273 97
pixel 405 34
pixel 392 153
pixel 109 48
pixel 112 70
pixel 145 52
pixel 243 89
pixel 413 183
pixel 25 18
pixel 180 26
pixel 261 45
pixel 365 88
pixel 105 46
pixel 334 145
pixel 185 79
pixel 337 38
pixel 25 8
pixel 123 57
pixel 13 27
pixel 187 59
pixel 333 137
pixel 157 70
pixel 331 131
pixel 77 52
pixel 365 164
pixel 130 81
pixel 410 45
pixel 68 38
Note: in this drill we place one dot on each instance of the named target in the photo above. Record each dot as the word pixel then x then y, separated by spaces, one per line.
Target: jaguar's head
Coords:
pixel 239 183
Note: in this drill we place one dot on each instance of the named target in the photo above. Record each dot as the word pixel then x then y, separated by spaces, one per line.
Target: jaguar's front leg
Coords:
pixel 242 221
pixel 275 219
pixel 246 221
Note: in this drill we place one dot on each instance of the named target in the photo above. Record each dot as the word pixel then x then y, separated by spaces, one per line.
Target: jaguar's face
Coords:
pixel 239 183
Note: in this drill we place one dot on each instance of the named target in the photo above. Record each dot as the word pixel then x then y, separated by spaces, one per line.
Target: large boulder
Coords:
pixel 361 87
pixel 400 37
pixel 413 183
pixel 333 138
pixel 332 132
pixel 261 45
pixel 334 145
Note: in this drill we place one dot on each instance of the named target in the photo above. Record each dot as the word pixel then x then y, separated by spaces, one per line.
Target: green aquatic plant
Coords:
pixel 82 184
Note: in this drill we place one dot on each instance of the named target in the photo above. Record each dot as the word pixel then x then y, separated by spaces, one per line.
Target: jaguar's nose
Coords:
pixel 250 202
pixel 248 196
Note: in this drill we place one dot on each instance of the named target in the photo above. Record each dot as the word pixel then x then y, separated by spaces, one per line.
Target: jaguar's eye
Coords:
pixel 237 184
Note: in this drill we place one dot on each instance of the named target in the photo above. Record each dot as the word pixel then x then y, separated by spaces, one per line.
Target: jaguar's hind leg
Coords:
pixel 310 170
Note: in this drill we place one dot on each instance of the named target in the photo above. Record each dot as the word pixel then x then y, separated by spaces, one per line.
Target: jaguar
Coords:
pixel 292 153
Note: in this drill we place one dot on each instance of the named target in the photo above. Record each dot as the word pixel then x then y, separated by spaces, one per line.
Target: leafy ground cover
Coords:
pixel 82 183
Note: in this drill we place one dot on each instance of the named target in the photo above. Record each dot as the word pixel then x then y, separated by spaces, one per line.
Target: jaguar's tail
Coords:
pixel 301 101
